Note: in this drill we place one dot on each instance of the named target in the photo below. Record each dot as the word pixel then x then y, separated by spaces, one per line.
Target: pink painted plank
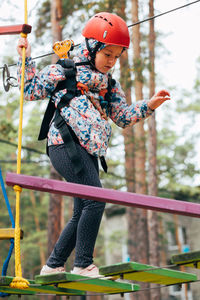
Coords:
pixel 15 29
pixel 104 195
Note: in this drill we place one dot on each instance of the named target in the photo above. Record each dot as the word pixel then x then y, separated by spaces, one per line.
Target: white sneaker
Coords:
pixel 48 270
pixel 90 271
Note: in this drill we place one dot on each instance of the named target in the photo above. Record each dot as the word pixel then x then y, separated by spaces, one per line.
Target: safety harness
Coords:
pixel 52 113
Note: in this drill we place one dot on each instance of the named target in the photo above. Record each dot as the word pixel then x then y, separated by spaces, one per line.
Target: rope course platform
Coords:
pixel 114 277
pixel 35 288
pixel 84 283
pixel 68 284
pixel 189 259
pixel 72 284
pixel 104 195
pixel 139 272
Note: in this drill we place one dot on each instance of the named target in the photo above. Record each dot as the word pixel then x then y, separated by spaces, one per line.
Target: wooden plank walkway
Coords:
pixel 83 283
pixel 190 259
pixel 140 272
pixel 35 288
pixel 104 195
pixel 67 284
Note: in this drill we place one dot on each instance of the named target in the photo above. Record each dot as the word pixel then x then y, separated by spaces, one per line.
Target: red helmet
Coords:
pixel 107 28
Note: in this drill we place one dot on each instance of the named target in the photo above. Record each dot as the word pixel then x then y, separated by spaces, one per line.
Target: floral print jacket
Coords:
pixel 92 130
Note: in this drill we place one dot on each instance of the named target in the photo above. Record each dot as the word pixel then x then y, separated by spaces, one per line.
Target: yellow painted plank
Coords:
pixel 147 273
pixel 189 259
pixel 8 233
pixel 83 283
pixel 35 288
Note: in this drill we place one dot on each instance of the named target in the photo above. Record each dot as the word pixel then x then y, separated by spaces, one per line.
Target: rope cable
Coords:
pixel 164 13
pixel 131 25
pixel 18 281
pixel 7 260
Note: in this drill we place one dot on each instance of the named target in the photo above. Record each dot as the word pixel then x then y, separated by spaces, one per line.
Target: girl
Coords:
pixel 97 98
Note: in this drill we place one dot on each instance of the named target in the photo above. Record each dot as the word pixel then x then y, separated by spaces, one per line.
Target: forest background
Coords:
pixel 169 169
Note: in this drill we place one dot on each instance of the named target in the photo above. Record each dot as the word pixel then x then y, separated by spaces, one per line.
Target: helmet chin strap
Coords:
pixel 93 52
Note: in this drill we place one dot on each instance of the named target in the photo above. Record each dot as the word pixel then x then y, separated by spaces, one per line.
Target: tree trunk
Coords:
pixel 56 28
pixel 154 257
pixel 141 232
pixel 128 134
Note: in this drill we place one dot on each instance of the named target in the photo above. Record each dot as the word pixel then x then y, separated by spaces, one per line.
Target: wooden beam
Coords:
pixel 104 195
pixel 15 29
pixel 8 233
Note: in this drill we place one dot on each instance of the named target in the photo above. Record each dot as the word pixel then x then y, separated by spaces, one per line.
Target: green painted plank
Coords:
pixel 6 289
pixel 190 259
pixel 35 288
pixel 139 272
pixel 5 280
pixel 84 283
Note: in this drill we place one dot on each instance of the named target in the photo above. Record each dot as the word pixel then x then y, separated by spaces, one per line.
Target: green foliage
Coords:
pixel 182 192
pixel 174 159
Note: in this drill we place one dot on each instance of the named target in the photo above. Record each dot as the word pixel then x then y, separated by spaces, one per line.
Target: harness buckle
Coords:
pixel 82 87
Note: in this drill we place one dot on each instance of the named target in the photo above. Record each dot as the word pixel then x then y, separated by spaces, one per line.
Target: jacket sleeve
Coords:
pixel 124 115
pixel 39 85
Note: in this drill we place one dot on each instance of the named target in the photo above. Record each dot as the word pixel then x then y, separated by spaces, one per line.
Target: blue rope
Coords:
pixel 6 262
pixel 6 200
pixel 5 266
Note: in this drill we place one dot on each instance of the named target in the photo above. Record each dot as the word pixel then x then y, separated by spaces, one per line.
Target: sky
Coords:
pixel 182 42
pixel 176 65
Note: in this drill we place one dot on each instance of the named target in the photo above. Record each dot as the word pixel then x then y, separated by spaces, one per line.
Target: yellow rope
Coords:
pixel 19 282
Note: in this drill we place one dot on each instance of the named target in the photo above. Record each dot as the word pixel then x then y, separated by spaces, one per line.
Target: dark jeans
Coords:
pixel 81 231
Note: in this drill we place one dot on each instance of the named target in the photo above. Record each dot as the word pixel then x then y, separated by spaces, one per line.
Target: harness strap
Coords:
pixel 61 125
pixel 49 113
pixel 67 134
pixel 104 164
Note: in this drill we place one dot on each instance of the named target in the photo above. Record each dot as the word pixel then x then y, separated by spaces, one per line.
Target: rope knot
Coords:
pixel 19 283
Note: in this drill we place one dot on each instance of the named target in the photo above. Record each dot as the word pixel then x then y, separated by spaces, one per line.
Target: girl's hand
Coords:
pixel 158 99
pixel 23 42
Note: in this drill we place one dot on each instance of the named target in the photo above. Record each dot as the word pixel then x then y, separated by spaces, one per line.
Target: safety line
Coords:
pixel 23 147
pixel 131 25
pixel 164 13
